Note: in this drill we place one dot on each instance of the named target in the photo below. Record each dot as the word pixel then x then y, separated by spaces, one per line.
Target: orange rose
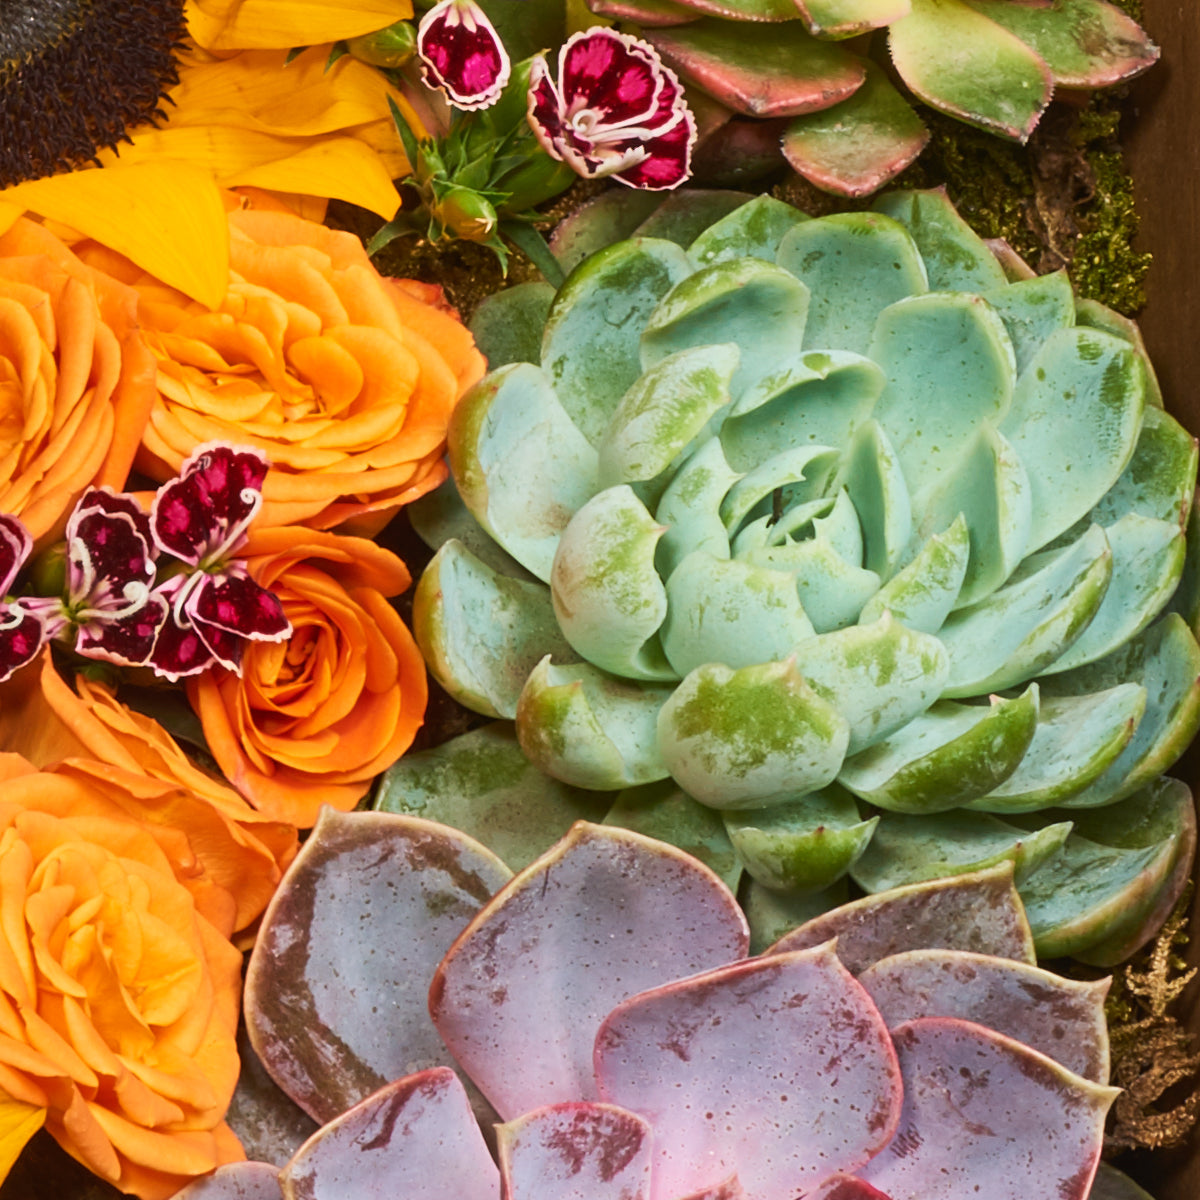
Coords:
pixel 343 378
pixel 76 378
pixel 221 849
pixel 313 720
pixel 118 1000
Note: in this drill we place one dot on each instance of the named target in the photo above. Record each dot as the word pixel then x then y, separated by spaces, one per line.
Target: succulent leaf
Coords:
pixel 746 738
pixel 667 1051
pixel 908 848
pixel 1065 1021
pixel 978 911
pixel 754 229
pixel 605 906
pixel 804 845
pixel 758 69
pixel 847 18
pixel 305 979
pixel 959 1077
pixel 483 784
pixel 423 1139
pixel 236 1181
pixel 874 480
pixel 1033 309
pixel 923 593
pixel 950 754
pixel 508 325
pixel 957 60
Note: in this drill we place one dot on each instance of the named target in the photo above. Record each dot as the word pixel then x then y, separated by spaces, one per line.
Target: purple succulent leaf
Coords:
pixel 236 1181
pixel 231 601
pixel 330 1023
pixel 204 513
pixel 646 13
pixel 777 1069
pixel 108 501
pixel 22 636
pixel 575 1151
pixel 1063 1018
pixel 415 1138
pixel 125 640
pixel 605 913
pixel 1043 1125
pixel 855 147
pixel 761 70
pixel 462 54
pixel 614 110
pixel 16 545
pixel 180 651
pixel 979 911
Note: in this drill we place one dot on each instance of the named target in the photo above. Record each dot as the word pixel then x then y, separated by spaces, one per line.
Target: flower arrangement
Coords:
pixel 787 552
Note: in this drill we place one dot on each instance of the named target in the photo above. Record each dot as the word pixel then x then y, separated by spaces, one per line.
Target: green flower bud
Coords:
pixel 465 214
pixel 390 47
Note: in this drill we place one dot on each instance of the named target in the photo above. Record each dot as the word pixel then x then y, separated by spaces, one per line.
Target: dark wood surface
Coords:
pixel 1163 141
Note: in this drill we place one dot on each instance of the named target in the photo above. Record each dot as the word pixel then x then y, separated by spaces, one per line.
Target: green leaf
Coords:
pixel 527 239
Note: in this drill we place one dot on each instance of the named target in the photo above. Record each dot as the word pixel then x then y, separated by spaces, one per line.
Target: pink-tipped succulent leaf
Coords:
pixel 236 1181
pixel 819 1093
pixel 605 914
pixel 613 110
pixel 575 1152
pixel 462 54
pixel 418 1136
pixel 985 1115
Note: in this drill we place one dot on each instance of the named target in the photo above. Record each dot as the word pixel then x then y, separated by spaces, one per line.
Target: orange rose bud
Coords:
pixel 343 379
pixel 313 720
pixel 78 378
pixel 121 999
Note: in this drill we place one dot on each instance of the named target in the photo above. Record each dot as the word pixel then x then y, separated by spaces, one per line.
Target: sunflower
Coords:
pixel 170 121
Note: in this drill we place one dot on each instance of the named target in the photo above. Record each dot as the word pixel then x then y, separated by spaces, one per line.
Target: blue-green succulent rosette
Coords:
pixel 821 547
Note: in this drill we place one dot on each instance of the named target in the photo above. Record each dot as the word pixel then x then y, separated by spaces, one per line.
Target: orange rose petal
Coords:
pixel 183 1153
pixel 83 1137
pixel 22 1088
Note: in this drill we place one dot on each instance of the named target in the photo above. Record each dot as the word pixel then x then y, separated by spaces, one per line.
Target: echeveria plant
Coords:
pixel 600 1008
pixel 992 63
pixel 851 530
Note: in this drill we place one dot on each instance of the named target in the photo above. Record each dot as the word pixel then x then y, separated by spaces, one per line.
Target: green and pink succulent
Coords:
pixel 829 546
pixel 841 117
pixel 600 1010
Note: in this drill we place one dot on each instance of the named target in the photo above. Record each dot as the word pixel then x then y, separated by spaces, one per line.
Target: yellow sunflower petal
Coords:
pixel 281 24
pixel 168 217
pixel 18 1123
pixel 341 168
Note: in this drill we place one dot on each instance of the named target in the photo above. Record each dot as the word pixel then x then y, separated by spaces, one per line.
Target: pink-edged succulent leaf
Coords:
pixel 760 70
pixel 649 14
pixel 846 1187
pixel 989 1117
pixel 1085 43
pixel 126 640
pixel 462 54
pixel 747 10
pixel 415 1138
pixel 857 146
pixel 604 914
pixel 330 1021
pixel 613 110
pixel 232 601
pixel 204 513
pixel 236 1181
pixel 777 1069
pixel 16 545
pixel 960 62
pixel 728 1189
pixel 979 911
pixel 848 18
pixel 575 1152
pixel 1063 1018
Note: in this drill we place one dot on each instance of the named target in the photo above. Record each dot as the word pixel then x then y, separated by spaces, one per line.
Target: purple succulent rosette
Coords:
pixel 615 109
pixel 603 1003
pixel 22 633
pixel 462 54
pixel 201 519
